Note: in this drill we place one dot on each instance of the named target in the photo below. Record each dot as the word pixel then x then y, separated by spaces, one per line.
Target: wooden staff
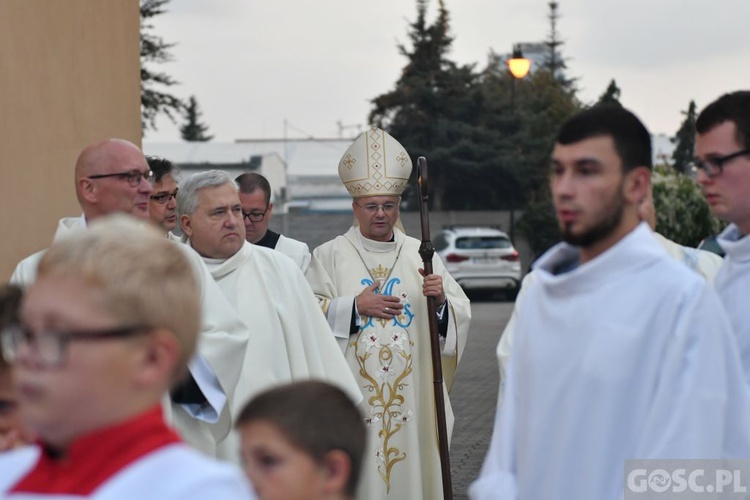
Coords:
pixel 426 251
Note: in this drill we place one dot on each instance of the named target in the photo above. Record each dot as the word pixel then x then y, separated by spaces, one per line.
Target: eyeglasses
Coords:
pixel 713 167
pixel 372 208
pixel 254 216
pixel 163 198
pixel 50 348
pixel 132 176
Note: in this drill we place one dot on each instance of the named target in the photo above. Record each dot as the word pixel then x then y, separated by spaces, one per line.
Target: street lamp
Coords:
pixel 519 67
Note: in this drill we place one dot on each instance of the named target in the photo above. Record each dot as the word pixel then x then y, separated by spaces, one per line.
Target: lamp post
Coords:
pixel 519 67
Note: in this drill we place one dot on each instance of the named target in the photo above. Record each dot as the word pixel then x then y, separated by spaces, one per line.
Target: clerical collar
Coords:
pixel 377 246
pixel 269 240
pixel 92 459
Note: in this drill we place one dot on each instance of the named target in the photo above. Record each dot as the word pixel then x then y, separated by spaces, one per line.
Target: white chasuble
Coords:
pixel 391 358
pixel 289 336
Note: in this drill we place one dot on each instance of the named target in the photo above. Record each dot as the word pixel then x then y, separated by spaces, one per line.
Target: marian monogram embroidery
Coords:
pixel 383 351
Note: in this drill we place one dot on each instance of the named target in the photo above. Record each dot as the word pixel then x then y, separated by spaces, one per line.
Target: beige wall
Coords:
pixel 69 76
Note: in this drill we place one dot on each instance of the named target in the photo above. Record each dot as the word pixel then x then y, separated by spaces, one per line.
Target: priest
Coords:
pixel 372 289
pixel 290 338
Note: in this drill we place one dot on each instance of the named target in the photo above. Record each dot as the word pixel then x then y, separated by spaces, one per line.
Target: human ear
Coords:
pixel 637 185
pixel 158 359
pixel 185 225
pixel 337 468
pixel 86 189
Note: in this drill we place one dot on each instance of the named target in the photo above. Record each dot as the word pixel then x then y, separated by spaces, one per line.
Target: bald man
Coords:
pixel 113 176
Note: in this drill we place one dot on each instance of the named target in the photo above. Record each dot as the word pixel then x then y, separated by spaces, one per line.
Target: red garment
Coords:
pixel 94 458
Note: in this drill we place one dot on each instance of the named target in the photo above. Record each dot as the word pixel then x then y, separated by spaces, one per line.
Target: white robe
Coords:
pixel 733 287
pixel 629 356
pixel 705 263
pixel 296 250
pixel 173 472
pixel 289 339
pixel 391 359
pixel 220 351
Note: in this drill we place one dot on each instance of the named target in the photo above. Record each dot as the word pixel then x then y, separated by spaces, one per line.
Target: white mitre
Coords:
pixel 375 165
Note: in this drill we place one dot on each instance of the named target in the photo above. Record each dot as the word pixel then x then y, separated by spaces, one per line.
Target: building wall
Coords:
pixel 316 229
pixel 70 76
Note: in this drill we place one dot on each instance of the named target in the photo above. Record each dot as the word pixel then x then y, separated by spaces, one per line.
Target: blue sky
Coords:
pixel 254 64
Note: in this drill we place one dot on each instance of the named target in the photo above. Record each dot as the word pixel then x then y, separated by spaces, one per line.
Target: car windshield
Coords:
pixel 482 242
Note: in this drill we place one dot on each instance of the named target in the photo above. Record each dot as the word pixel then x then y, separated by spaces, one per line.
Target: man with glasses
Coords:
pixel 112 176
pixel 255 196
pixel 162 206
pixel 372 289
pixel 722 161
pixel 105 330
pixel 290 339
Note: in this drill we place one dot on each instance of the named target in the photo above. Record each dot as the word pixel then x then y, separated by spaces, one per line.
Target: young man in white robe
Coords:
pixel 113 177
pixel 722 161
pixel 257 208
pixel 105 330
pixel 621 352
pixel 289 338
pixel 372 289
pixel 705 263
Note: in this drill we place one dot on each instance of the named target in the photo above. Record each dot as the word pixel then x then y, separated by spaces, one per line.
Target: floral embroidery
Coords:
pixel 396 339
pixel 408 416
pixel 385 362
pixel 371 340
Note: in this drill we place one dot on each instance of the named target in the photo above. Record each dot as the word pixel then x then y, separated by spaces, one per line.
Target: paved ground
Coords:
pixel 474 393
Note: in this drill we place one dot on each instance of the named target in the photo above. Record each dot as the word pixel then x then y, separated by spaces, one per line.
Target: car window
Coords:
pixel 439 242
pixel 482 242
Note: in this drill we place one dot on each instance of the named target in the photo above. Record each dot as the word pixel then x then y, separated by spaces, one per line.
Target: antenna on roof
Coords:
pixel 343 127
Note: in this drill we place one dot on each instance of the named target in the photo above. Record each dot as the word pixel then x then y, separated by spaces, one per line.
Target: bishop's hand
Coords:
pixel 432 286
pixel 377 305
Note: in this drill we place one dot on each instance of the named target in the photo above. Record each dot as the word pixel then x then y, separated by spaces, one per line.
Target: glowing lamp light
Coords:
pixel 518 65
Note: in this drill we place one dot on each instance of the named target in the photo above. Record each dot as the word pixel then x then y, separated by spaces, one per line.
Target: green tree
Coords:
pixel 193 130
pixel 682 214
pixel 432 108
pixel 684 140
pixel 548 100
pixel 155 98
pixel 611 95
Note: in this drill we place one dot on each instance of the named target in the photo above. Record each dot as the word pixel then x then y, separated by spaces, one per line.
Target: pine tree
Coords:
pixel 154 97
pixel 611 95
pixel 684 140
pixel 554 62
pixel 432 107
pixel 193 130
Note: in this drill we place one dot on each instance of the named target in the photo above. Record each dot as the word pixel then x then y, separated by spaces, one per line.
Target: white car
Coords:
pixel 480 258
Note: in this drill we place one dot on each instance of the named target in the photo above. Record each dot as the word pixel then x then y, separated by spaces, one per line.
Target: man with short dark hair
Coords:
pixel 722 161
pixel 257 207
pixel 162 207
pixel 621 352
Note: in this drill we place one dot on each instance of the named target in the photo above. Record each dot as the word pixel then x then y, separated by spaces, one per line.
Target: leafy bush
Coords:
pixel 682 214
